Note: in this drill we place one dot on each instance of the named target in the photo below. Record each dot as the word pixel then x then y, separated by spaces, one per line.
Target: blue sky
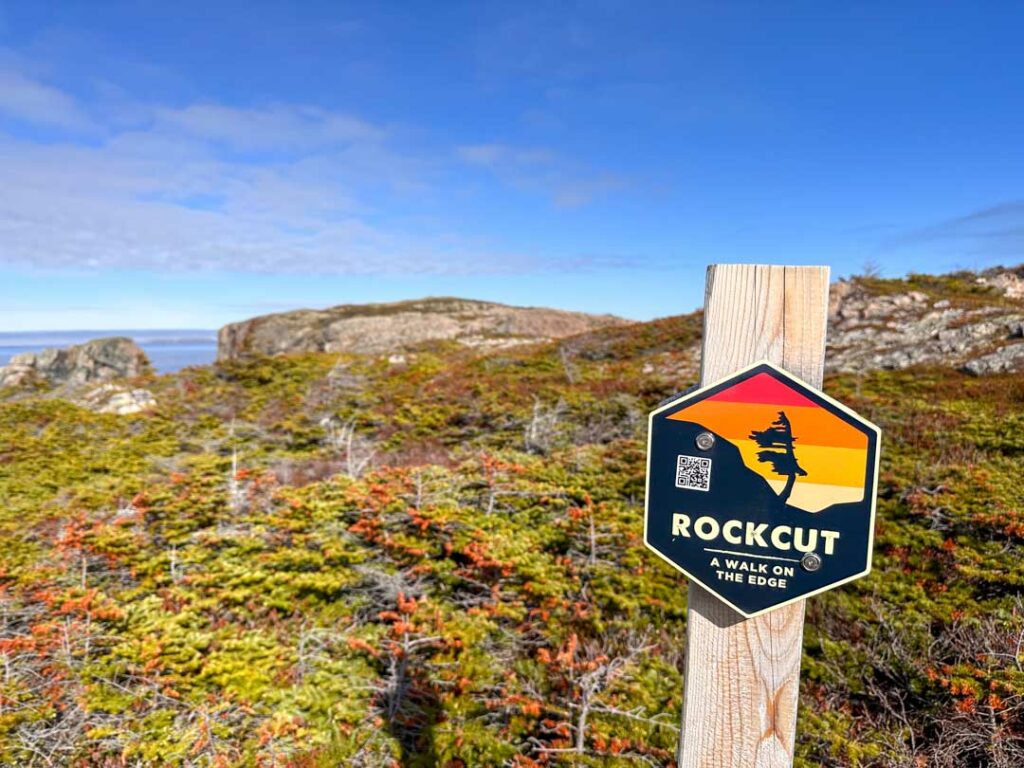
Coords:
pixel 182 165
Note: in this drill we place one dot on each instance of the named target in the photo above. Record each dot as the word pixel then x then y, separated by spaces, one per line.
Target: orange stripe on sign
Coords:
pixel 811 426
pixel 763 388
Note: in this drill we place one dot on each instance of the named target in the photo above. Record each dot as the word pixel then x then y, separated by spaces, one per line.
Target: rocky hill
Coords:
pixel 973 322
pixel 384 328
pixel 969 321
pixel 964 320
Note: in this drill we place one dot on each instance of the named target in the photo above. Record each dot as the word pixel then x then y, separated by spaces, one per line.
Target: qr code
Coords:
pixel 693 472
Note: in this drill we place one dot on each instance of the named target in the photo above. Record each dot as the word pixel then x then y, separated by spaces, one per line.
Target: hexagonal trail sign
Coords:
pixel 761 489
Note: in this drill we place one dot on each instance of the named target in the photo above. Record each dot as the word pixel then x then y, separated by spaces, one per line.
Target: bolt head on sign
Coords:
pixel 761 489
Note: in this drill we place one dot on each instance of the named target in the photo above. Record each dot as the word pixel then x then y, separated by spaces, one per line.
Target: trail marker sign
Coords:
pixel 761 489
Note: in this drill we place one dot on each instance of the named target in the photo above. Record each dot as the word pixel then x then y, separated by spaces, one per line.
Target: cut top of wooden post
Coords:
pixel 759 312
pixel 742 676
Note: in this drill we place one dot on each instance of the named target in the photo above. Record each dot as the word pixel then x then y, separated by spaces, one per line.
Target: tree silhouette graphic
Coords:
pixel 777 441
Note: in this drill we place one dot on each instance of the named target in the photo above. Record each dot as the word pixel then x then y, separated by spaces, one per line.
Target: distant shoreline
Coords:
pixel 168 350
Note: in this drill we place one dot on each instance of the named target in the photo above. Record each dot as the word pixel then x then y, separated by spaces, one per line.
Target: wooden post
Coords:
pixel 743 675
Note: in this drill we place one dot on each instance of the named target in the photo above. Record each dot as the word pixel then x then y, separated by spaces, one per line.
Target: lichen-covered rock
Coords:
pixel 393 328
pixel 1010 283
pixel 871 328
pixel 114 398
pixel 1004 360
pixel 97 360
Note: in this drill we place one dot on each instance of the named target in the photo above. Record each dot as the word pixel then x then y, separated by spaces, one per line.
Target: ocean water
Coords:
pixel 168 350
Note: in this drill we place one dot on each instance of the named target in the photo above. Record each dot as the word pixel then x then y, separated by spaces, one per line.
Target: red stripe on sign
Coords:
pixel 763 388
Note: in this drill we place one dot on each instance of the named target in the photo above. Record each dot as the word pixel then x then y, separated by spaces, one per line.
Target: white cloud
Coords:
pixel 278 128
pixel 499 156
pixel 279 188
pixel 574 193
pixel 996 231
pixel 26 99
pixel 127 204
pixel 536 169
pixel 180 193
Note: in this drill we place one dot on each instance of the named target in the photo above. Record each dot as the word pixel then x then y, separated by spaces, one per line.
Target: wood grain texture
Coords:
pixel 743 675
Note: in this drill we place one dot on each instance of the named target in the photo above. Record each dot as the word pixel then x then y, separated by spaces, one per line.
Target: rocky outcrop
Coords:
pixel 392 328
pixel 117 399
pixel 1010 283
pixel 98 360
pixel 892 329
pixel 1004 360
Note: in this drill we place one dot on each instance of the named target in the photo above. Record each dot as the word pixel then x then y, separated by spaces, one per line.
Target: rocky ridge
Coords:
pixel 396 327
pixel 968 321
pixel 973 322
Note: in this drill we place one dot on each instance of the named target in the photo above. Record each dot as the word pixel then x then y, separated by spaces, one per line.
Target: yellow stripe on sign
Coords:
pixel 824 465
pixel 811 497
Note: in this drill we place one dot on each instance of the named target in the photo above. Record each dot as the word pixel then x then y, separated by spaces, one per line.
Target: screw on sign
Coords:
pixel 761 489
